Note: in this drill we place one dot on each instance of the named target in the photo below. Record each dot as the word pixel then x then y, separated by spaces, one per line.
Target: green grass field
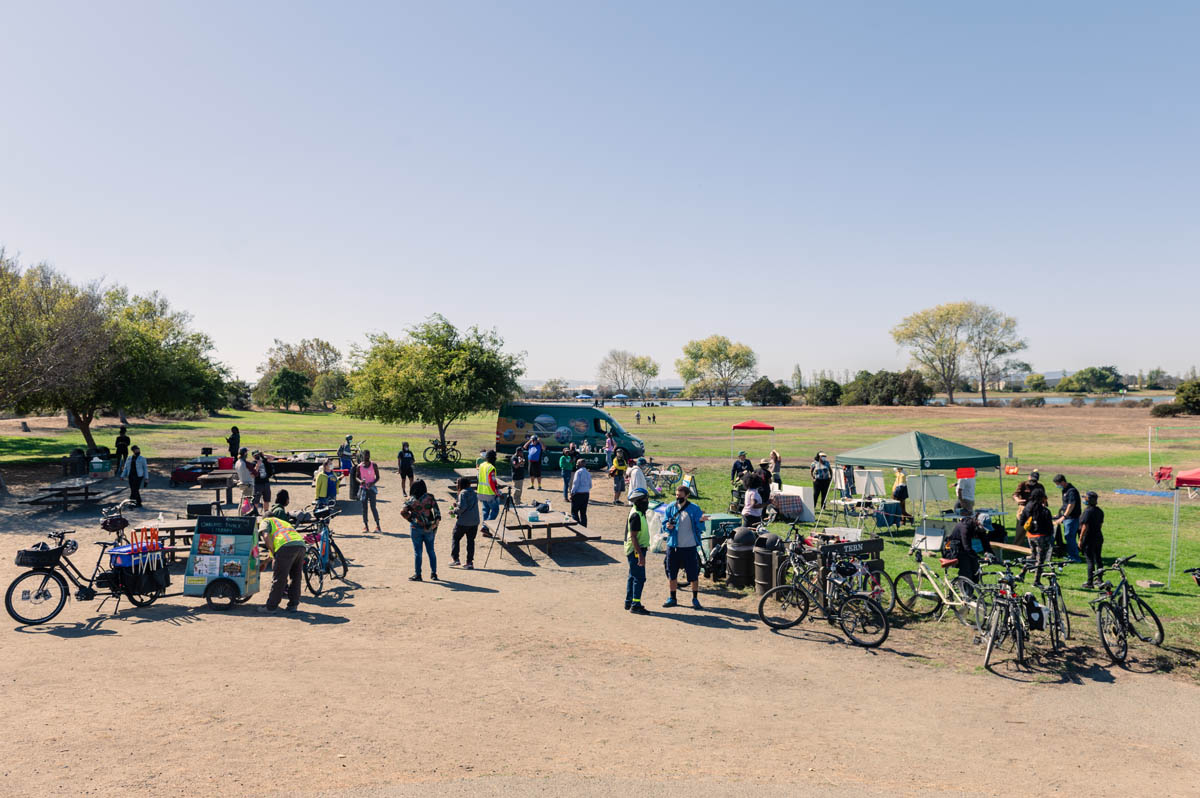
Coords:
pixel 1098 449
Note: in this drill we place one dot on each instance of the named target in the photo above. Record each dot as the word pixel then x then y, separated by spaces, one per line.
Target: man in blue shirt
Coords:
pixel 684 524
pixel 533 452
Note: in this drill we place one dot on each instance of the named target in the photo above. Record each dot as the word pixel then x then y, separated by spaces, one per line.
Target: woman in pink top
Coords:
pixel 368 487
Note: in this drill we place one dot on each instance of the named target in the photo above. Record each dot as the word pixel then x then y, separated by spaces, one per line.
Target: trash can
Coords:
pixel 740 558
pixel 767 551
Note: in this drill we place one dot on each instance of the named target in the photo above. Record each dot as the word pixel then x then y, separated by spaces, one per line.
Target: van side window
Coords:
pixel 600 426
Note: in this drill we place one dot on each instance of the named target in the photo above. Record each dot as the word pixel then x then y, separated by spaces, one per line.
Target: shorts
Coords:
pixel 686 558
pixel 406 471
pixel 900 493
pixel 619 483
pixel 535 469
pixel 262 489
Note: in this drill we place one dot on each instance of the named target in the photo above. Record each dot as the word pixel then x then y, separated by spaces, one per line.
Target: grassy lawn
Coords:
pixel 1099 449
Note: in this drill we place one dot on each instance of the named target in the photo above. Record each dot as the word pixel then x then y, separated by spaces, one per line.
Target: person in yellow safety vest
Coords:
pixel 637 541
pixel 287 546
pixel 488 488
pixel 326 482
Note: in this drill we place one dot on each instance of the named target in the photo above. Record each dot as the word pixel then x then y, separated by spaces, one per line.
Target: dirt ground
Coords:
pixel 525 677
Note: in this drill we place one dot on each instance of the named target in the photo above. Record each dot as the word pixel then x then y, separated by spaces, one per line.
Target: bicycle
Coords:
pixel 1119 610
pixel 1058 622
pixel 39 594
pixel 662 479
pixel 322 557
pixel 439 453
pixel 1005 618
pixel 1195 572
pixel 860 616
pixel 922 593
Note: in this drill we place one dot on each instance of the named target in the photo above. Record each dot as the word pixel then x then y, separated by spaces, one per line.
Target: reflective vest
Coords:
pixel 280 533
pixel 643 531
pixel 486 469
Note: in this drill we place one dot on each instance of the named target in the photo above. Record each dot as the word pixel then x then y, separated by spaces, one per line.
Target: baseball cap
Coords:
pixel 641 461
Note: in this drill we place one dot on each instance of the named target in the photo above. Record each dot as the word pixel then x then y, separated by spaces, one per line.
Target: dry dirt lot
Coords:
pixel 525 677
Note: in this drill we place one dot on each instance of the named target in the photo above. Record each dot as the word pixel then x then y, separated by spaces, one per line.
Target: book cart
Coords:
pixel 223 565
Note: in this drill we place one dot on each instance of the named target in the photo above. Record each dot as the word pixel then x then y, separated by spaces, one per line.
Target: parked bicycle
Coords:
pixel 860 617
pixel 662 479
pixel 322 557
pixel 1006 622
pixel 1195 572
pixel 922 592
pixel 437 453
pixel 1121 611
pixel 1058 622
pixel 39 594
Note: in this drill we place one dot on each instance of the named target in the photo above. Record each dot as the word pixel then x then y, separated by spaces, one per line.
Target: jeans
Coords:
pixel 567 482
pixel 518 489
pixel 491 507
pixel 367 496
pixel 423 537
pixel 637 579
pixel 1070 527
pixel 289 567
pixel 820 492
pixel 608 458
pixel 1040 547
pixel 579 507
pixel 459 533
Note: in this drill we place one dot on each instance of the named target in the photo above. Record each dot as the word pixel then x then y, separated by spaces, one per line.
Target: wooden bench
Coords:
pixel 1011 547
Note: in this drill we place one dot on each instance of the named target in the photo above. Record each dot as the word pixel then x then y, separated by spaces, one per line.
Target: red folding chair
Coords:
pixel 1162 475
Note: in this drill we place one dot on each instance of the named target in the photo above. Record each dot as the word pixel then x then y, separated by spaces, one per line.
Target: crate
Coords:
pixel 39 558
pixel 126 557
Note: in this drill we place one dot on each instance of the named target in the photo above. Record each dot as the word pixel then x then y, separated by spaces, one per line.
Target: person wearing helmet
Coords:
pixel 635 477
pixel 287 548
pixel 637 541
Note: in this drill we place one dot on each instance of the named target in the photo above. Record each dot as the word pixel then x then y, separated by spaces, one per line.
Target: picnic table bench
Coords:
pixel 80 490
pixel 218 480
pixel 519 529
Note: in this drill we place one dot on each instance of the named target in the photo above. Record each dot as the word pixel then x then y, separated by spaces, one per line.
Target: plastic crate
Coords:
pixel 126 557
pixel 39 558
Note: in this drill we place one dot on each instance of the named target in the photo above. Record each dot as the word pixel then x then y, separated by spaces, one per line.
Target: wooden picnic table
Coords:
pixel 218 480
pixel 75 489
pixel 519 529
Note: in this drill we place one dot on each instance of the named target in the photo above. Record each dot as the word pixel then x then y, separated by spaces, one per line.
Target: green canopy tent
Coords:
pixel 920 452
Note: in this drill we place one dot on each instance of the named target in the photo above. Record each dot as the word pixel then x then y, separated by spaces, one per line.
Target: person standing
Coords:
pixel 519 465
pixel 345 455
pixel 777 469
pixel 654 418
pixel 1091 537
pixel 610 448
pixel 637 478
pixel 752 508
pixel 262 482
pixel 422 513
pixel 566 464
pixel 618 477
pixel 1039 529
pixel 637 541
pixel 121 449
pixel 849 488
pixel 764 481
pixel 900 493
pixel 637 415
pixel 581 492
pixel 822 475
pixel 466 523
pixel 244 470
pixel 1068 516
pixel 489 487
pixel 136 471
pixel 368 488
pixel 235 441
pixel 534 454
pixel 325 483
pixel 964 494
pixel 684 523
pixel 406 458
pixel 740 466
pixel 287 548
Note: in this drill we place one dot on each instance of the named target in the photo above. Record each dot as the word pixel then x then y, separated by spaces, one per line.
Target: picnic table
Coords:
pixel 519 529
pixel 218 480
pixel 76 489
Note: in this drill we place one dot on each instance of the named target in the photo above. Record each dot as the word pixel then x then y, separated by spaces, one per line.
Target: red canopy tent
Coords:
pixel 1189 480
pixel 752 425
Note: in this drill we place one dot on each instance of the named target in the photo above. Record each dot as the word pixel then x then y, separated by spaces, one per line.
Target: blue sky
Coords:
pixel 583 176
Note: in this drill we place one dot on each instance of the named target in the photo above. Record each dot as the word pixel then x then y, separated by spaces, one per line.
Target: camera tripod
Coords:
pixel 499 520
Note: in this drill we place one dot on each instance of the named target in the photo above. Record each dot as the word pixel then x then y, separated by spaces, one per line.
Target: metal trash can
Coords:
pixel 739 557
pixel 767 551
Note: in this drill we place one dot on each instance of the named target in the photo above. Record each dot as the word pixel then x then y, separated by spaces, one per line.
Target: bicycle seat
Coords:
pixel 948 563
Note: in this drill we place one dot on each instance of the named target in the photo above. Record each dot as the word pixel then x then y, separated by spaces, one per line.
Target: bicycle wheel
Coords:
pixel 676 473
pixel 143 599
pixel 1112 632
pixel 985 599
pixel 1064 618
pixel 863 621
pixel 915 594
pixel 430 454
pixel 879 587
pixel 1144 623
pixel 314 572
pixel 453 455
pixel 1052 625
pixel 783 607
pixel 337 562
pixel 36 597
pixel 1018 633
pixel 964 605
pixel 995 634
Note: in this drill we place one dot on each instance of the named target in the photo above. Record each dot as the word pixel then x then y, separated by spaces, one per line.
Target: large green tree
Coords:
pixel 436 375
pixel 990 338
pixel 936 339
pixel 290 387
pixel 643 369
pixel 720 363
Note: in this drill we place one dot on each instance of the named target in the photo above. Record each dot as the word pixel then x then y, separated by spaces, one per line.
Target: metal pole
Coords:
pixel 1150 450
pixel 1174 540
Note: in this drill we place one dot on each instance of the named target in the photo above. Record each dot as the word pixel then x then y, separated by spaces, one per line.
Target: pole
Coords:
pixel 1174 540
pixel 1150 450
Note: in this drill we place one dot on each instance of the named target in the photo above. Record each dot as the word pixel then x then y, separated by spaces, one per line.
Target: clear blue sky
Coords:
pixel 581 176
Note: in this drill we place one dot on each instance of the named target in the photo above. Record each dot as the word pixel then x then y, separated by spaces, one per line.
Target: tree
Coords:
pixel 1188 396
pixel 764 392
pixel 331 387
pixel 1036 382
pixel 643 369
pixel 554 389
pixel 936 340
pixel 237 395
pixel 990 337
pixel 724 364
pixel 824 393
pixel 1093 379
pixel 290 387
pixel 797 378
pixel 312 357
pixel 616 370
pixel 1155 379
pixel 437 375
